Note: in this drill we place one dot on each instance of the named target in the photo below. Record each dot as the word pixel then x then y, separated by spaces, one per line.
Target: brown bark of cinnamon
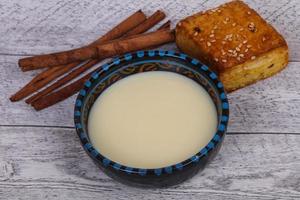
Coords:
pixel 81 54
pixel 128 24
pixel 62 81
pixel 143 27
pixel 61 94
pixel 122 28
pixel 46 61
pixel 140 42
pixel 133 44
pixel 37 84
pixel 149 23
pixel 50 74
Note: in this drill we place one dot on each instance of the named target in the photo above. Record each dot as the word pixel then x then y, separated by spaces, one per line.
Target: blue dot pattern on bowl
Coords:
pixel 105 67
pixel 95 75
pixel 142 172
pixel 195 158
pixel 151 53
pixel 106 162
pixel 88 83
pixel 168 170
pixel 128 56
pixel 128 170
pixel 158 171
pixel 179 166
pixel 82 92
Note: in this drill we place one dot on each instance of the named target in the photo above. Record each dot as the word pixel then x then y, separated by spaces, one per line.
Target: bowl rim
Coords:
pixel 105 162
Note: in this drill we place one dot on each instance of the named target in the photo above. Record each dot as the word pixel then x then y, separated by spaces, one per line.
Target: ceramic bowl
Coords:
pixel 139 62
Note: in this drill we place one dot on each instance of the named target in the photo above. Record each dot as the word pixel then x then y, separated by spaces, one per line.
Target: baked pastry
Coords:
pixel 235 41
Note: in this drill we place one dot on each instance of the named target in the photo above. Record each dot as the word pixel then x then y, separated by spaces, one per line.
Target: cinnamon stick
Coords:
pixel 119 30
pixel 149 23
pixel 43 79
pixel 60 95
pixel 50 74
pixel 146 25
pixel 62 81
pixel 134 44
pixel 88 52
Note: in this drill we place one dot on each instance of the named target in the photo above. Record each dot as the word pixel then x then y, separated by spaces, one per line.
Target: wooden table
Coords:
pixel 41 158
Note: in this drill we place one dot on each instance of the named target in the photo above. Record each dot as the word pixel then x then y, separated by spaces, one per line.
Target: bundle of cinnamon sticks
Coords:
pixel 51 86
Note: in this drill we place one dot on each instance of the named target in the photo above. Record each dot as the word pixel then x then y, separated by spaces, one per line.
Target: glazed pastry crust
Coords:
pixel 235 41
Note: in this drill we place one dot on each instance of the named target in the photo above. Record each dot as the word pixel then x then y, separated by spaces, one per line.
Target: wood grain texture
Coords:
pixel 43 163
pixel 260 159
pixel 271 105
pixel 34 27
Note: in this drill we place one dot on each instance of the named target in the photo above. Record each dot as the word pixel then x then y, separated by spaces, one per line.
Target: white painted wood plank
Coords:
pixel 271 105
pixel 35 27
pixel 44 163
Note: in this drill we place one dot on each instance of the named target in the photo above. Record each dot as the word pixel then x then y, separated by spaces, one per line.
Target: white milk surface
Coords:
pixel 152 120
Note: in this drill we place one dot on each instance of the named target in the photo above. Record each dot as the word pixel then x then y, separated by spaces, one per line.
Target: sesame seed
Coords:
pixel 238 49
pixel 223 42
pixel 201 39
pixel 234 24
pixel 213 41
pixel 218 11
pixel 224 60
pixel 215 27
pixel 228 37
pixel 227 19
pixel 239 58
pixel 211 35
pixel 240 45
pixel 251 27
pixel 264 39
pixel 212 31
pixel 223 52
pixel 241 29
pixel 249 46
pixel 246 50
pixel 253 57
pixel 179 24
pixel 249 13
pixel 230 51
pixel 224 22
pixel 196 33
pixel 216 59
pixel 241 55
pixel 245 41
pixel 208 44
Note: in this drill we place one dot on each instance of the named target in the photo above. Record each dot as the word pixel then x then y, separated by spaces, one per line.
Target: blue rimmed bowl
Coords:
pixel 139 62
